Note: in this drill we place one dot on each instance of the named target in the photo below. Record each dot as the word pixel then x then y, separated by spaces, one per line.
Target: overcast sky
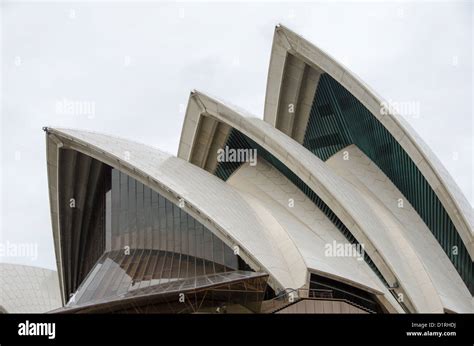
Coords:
pixel 135 64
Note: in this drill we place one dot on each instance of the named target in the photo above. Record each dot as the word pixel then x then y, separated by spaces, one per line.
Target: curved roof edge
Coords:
pixel 205 197
pixel 287 43
pixel 335 192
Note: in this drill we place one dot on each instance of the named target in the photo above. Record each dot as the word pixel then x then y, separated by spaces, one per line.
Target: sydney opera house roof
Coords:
pixel 27 289
pixel 139 230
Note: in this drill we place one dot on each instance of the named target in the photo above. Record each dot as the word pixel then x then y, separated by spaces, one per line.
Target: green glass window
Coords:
pixel 349 122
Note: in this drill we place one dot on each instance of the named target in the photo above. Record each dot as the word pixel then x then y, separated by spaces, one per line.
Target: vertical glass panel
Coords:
pixel 230 260
pixel 183 227
pixel 169 226
pixel 123 190
pixel 199 240
pixel 155 229
pixel 191 235
pixel 148 221
pixel 163 224
pixel 207 250
pixel 115 200
pixel 132 212
pixel 108 220
pixel 176 228
pixel 218 251
pixel 141 227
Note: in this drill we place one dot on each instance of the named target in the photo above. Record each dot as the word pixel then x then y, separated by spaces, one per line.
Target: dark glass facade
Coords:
pixel 338 119
pixel 143 219
pixel 119 237
pixel 82 214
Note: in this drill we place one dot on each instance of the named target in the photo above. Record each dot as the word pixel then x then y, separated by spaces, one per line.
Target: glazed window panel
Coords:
pixel 143 239
pixel 144 219
pixel 355 124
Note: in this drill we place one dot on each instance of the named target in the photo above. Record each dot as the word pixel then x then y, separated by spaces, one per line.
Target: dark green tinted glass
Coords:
pixel 338 119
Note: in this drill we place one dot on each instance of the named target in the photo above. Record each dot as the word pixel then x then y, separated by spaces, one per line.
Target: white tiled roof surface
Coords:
pixel 366 218
pixel 215 200
pixel 25 289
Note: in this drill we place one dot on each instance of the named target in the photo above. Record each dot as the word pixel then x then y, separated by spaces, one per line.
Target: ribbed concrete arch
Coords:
pixel 308 228
pixel 296 66
pixel 389 250
pixel 212 202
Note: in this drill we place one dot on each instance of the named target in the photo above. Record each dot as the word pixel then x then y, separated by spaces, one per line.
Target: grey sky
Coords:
pixel 136 63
